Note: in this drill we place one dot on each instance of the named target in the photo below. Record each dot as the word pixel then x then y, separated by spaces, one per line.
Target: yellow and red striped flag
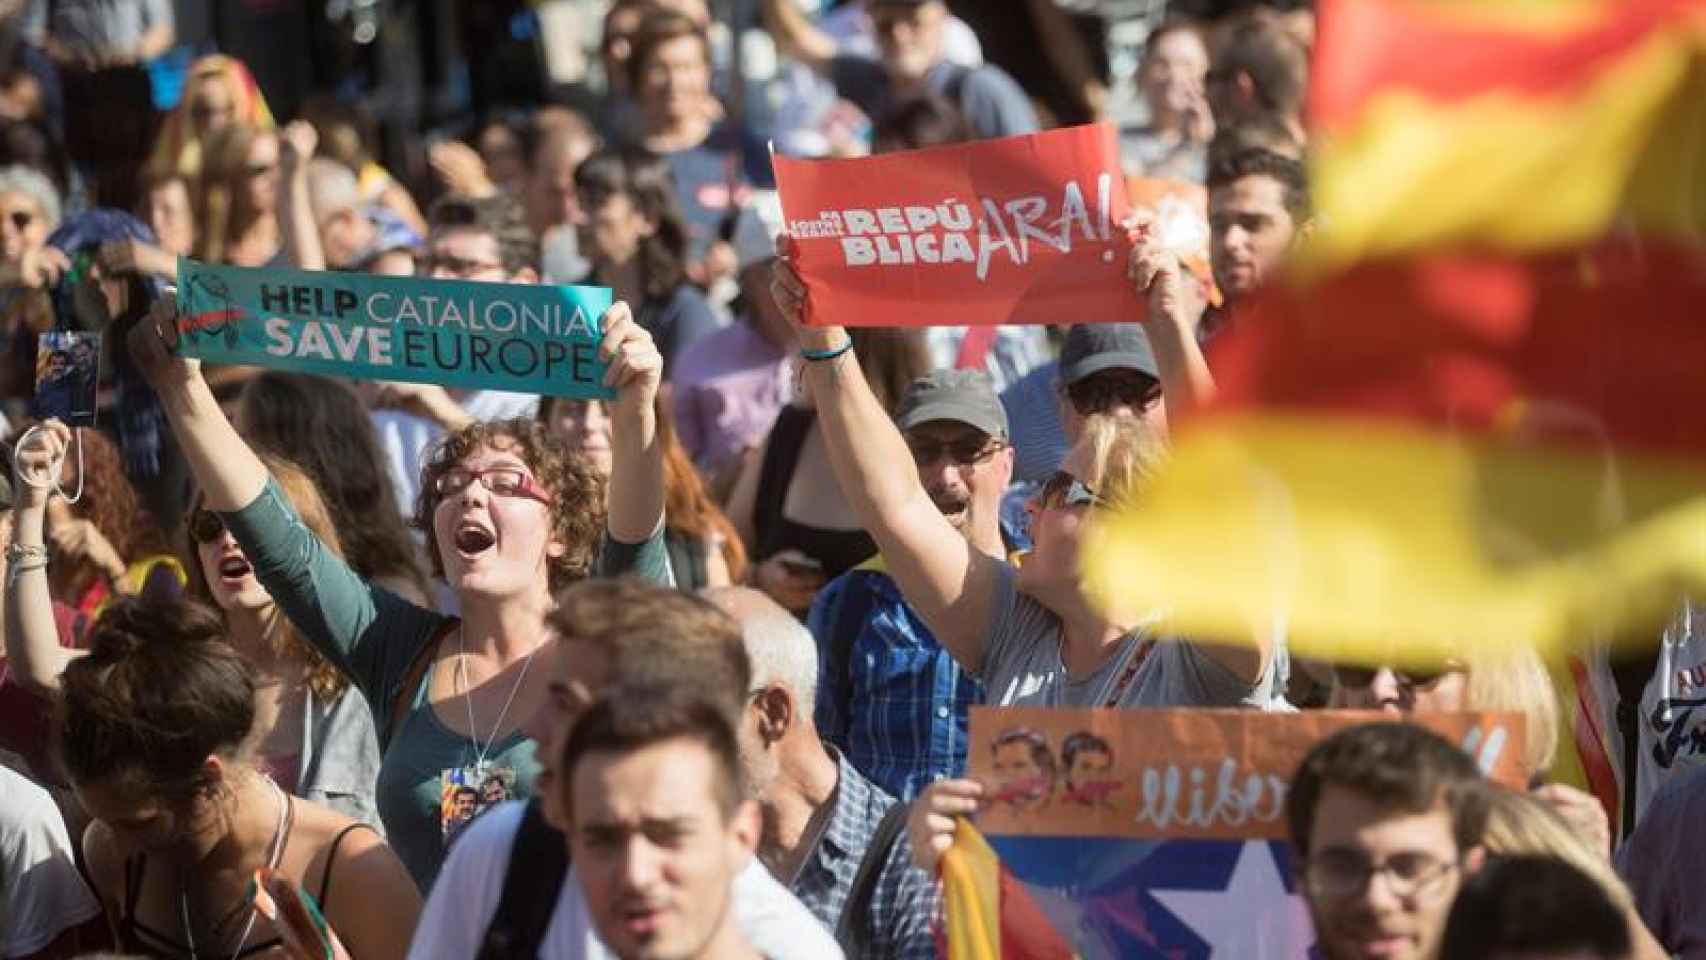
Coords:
pixel 1443 450
pixel 1513 126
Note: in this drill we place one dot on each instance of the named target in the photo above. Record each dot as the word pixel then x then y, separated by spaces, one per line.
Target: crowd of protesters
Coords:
pixel 267 620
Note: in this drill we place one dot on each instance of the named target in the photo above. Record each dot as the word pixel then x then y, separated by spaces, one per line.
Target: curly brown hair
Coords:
pixel 325 680
pixel 576 489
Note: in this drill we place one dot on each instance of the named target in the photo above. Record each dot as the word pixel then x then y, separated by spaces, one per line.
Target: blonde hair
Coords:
pixel 1516 681
pixel 225 163
pixel 1518 824
pixel 1125 454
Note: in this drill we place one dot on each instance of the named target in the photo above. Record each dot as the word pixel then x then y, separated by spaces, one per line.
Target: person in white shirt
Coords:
pixel 43 901
pixel 610 633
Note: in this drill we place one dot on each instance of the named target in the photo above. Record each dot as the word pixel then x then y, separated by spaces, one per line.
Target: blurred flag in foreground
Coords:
pixel 1515 126
pixel 1437 451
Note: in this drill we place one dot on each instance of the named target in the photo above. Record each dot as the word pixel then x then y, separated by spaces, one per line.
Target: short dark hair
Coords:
pixel 500 215
pixel 1257 44
pixel 1041 755
pixel 1533 906
pixel 653 636
pixel 658 28
pixel 1398 766
pixel 927 120
pixel 646 180
pixel 1232 166
pixel 160 691
pixel 1082 742
pixel 632 718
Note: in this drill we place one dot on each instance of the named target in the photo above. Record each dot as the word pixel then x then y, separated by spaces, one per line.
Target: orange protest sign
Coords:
pixel 1023 229
pixel 1177 774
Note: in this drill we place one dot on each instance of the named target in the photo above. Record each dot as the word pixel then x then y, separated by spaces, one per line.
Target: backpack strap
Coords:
pixel 850 930
pixel 538 866
pixel 403 697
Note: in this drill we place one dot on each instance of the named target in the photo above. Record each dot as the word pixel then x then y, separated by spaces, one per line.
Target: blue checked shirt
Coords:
pixel 889 697
pixel 906 899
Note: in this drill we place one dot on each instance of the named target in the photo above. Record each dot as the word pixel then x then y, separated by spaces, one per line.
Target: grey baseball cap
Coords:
pixel 1094 347
pixel 964 396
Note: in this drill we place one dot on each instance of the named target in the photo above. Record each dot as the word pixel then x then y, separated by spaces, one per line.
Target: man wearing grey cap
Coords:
pixel 889 697
pixel 1104 368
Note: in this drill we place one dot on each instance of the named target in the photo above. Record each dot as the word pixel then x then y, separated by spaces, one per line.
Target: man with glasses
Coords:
pixel 890 698
pixel 1386 821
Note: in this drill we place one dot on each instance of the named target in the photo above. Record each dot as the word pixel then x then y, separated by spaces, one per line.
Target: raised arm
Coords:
pixel 635 500
pixel 951 584
pixel 230 474
pixel 32 635
pixel 333 607
pixel 798 37
pixel 1186 384
pixel 302 246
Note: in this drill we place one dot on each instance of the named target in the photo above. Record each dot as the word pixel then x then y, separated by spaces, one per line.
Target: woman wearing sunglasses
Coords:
pixel 510 518
pixel 313 733
pixel 1031 634
pixel 1514 681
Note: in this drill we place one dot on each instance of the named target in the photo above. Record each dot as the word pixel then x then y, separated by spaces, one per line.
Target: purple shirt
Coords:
pixel 728 387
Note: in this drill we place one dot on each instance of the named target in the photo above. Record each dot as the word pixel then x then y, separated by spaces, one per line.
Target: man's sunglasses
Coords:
pixel 965 452
pixel 1099 394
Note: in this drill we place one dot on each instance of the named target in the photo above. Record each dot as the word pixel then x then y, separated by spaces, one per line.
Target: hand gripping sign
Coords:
pixel 1025 229
pixel 502 336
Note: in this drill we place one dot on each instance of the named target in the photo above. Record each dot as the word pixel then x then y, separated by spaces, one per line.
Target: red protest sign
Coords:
pixel 1022 229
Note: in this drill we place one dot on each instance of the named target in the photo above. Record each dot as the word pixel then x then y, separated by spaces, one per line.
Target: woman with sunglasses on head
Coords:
pixel 1032 634
pixel 510 518
pixel 155 731
pixel 1513 681
pixel 313 733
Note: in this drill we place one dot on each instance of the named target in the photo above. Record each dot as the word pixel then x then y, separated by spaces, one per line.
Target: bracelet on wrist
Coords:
pixel 829 354
pixel 18 553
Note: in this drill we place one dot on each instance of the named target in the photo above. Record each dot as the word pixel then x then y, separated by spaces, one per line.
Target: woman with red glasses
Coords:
pixel 510 518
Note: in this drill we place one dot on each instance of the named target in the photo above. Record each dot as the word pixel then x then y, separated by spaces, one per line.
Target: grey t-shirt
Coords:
pixel 1022 666
pixel 101 27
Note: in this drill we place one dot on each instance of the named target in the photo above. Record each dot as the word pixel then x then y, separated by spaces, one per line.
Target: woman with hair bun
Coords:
pixel 155 732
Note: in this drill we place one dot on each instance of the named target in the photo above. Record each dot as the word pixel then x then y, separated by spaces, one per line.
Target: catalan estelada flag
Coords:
pixel 1439 450
pixel 1517 126
pixel 1172 842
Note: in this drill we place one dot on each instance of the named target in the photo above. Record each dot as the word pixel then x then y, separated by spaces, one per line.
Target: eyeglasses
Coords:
pixel 503 481
pixel 1065 490
pixel 21 219
pixel 1361 678
pixel 450 266
pixel 1339 875
pixel 965 452
pixel 1099 394
pixel 206 526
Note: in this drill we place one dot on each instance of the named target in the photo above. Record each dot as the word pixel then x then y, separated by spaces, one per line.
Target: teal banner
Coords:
pixel 498 336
